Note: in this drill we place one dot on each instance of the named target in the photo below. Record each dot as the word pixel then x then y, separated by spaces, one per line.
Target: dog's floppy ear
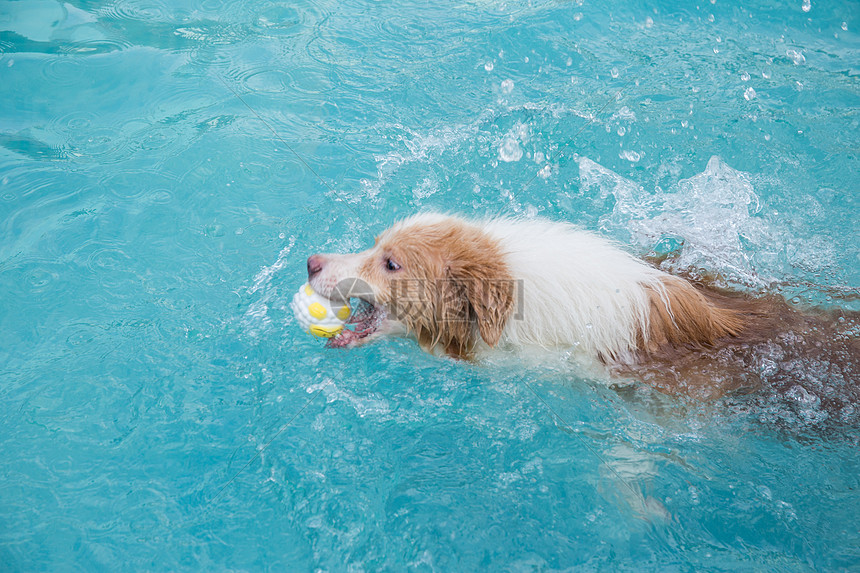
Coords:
pixel 489 291
pixel 454 326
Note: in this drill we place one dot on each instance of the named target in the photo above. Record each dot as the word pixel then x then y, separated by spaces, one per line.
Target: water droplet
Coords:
pixel 796 300
pixel 749 94
pixel 510 150
pixel 545 172
pixel 796 56
pixel 507 86
pixel 488 66
pixel 807 6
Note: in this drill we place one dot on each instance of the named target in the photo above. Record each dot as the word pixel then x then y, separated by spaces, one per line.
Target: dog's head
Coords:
pixel 441 278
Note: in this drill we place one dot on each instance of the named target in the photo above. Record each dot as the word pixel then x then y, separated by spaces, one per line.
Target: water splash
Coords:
pixel 256 320
pixel 715 213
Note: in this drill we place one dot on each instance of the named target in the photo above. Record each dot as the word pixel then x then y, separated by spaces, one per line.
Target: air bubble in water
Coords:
pixel 845 26
pixel 807 6
pixel 802 395
pixel 745 77
pixel 749 94
pixel 507 86
pixel 631 156
pixel 621 130
pixel 614 73
pixel 488 66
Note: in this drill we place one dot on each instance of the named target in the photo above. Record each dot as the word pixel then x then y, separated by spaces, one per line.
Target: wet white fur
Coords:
pixel 580 290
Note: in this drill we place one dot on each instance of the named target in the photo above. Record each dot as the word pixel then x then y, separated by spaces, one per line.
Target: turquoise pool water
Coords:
pixel 159 409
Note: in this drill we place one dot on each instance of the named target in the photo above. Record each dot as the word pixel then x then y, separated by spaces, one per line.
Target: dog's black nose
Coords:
pixel 315 265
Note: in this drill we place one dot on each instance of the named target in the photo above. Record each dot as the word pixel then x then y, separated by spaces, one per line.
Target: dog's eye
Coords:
pixel 391 265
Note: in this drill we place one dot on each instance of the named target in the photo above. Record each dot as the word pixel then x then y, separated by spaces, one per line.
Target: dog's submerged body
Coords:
pixel 463 286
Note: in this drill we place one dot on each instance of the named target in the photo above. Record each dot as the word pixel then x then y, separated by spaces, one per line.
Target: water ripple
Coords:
pixel 63 70
pixel 142 10
pixel 94 46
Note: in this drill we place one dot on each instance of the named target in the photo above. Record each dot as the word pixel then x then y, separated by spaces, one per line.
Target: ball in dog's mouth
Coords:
pixel 365 319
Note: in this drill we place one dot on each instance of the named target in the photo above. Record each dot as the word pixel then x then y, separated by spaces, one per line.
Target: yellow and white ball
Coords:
pixel 317 314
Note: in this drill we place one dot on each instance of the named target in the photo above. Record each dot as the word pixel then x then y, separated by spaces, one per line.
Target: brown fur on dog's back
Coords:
pixel 754 344
pixel 682 315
